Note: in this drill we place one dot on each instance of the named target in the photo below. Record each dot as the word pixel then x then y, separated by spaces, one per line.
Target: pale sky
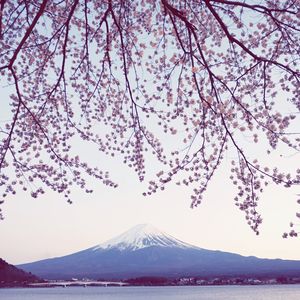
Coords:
pixel 46 227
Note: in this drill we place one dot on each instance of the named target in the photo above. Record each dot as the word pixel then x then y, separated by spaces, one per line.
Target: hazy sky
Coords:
pixel 46 227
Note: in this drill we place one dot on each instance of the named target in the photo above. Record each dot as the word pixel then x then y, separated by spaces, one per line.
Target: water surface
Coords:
pixel 268 292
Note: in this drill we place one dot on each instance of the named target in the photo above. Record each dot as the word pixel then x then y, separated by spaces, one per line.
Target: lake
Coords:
pixel 266 292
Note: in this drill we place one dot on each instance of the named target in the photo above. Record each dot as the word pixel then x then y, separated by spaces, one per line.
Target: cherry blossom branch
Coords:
pixel 26 36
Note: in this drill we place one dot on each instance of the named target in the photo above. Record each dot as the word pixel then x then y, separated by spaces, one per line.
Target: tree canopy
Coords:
pixel 186 81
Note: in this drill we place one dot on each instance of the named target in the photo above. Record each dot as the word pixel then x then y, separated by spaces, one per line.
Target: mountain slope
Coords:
pixel 9 274
pixel 146 251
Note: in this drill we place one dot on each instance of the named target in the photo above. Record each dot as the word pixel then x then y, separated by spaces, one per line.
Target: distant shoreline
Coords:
pixel 66 284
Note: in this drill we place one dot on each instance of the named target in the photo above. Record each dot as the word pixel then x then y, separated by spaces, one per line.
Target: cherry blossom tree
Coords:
pixel 183 81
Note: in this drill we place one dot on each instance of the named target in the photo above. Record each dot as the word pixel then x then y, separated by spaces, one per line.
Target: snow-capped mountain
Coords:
pixel 142 236
pixel 146 251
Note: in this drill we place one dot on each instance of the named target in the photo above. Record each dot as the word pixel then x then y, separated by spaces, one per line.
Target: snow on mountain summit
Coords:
pixel 142 236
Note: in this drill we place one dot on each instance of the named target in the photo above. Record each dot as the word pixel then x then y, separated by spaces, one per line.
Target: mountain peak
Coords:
pixel 142 236
pixel 144 229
